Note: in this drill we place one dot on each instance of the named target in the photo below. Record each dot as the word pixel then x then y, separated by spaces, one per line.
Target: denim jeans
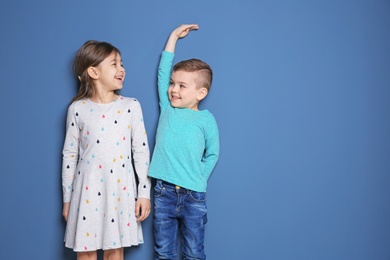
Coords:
pixel 179 212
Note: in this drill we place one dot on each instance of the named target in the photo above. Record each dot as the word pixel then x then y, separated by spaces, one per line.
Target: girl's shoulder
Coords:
pixel 77 103
pixel 122 102
pixel 130 101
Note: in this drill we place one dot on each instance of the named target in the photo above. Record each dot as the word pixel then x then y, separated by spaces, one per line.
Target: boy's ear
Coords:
pixel 202 93
pixel 93 72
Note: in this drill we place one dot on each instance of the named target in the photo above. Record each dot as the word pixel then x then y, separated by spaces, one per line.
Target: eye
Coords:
pixel 170 83
pixel 182 86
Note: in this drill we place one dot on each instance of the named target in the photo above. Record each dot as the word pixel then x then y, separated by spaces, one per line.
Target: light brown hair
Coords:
pixel 91 54
pixel 204 71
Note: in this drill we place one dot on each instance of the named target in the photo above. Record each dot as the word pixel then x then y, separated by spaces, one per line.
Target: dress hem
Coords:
pixel 100 248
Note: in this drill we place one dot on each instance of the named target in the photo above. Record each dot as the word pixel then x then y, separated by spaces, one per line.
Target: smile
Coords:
pixel 119 78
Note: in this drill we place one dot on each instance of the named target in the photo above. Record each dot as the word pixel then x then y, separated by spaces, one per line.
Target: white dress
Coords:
pixel 105 146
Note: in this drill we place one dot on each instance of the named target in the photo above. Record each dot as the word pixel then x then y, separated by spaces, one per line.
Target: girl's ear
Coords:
pixel 93 72
pixel 202 93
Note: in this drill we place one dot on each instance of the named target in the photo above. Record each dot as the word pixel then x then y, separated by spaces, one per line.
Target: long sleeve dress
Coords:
pixel 105 147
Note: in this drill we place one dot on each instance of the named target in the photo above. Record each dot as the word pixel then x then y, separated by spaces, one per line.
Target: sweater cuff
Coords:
pixel 168 54
pixel 144 189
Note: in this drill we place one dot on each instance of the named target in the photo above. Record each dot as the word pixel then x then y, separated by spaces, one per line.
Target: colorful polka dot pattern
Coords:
pixel 103 142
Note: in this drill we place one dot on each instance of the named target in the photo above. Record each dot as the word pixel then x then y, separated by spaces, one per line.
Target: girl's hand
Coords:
pixel 142 209
pixel 184 29
pixel 65 210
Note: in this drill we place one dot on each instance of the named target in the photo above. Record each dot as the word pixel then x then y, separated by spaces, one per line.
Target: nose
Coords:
pixel 122 70
pixel 174 88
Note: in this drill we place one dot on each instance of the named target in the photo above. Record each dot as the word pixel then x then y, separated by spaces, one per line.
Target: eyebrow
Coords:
pixel 115 60
pixel 181 82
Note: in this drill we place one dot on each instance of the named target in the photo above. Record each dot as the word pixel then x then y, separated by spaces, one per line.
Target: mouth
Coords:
pixel 120 78
pixel 174 97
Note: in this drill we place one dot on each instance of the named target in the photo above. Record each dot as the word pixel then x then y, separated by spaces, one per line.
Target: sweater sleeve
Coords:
pixel 70 154
pixel 164 77
pixel 211 154
pixel 140 151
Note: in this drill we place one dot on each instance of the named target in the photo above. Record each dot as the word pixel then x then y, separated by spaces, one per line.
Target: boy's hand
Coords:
pixel 142 209
pixel 180 32
pixel 184 29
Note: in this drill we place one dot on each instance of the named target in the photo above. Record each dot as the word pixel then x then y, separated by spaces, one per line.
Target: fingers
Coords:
pixel 191 26
pixel 184 29
pixel 188 27
pixel 142 209
pixel 144 215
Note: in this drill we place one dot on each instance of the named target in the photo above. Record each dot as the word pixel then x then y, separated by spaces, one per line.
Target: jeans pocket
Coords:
pixel 198 196
pixel 158 190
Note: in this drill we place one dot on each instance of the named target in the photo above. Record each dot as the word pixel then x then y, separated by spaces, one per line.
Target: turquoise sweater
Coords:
pixel 187 141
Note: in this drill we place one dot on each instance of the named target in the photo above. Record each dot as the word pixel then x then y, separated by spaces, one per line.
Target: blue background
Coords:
pixel 301 94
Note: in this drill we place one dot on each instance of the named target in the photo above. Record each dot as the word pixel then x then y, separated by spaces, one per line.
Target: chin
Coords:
pixel 175 106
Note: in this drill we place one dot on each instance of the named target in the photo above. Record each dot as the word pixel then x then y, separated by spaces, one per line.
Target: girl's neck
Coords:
pixel 104 98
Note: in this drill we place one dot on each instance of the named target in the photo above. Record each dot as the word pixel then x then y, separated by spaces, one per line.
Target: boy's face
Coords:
pixel 183 91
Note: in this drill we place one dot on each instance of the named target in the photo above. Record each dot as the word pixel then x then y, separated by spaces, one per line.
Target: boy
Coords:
pixel 186 152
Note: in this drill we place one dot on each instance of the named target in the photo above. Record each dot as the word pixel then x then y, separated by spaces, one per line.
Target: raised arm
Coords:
pixel 165 66
pixel 180 32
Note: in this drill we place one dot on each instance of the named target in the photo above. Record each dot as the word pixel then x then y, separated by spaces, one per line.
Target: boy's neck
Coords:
pixel 195 108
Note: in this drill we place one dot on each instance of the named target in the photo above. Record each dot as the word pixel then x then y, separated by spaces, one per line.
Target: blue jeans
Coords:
pixel 175 209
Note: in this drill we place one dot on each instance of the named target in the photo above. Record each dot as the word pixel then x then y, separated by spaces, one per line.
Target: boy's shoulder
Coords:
pixel 206 117
pixel 211 116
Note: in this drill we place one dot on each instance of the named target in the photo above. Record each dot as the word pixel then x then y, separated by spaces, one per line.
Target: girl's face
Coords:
pixel 110 73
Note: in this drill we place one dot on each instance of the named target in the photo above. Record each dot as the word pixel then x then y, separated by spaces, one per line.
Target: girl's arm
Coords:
pixel 70 156
pixel 141 158
pixel 65 210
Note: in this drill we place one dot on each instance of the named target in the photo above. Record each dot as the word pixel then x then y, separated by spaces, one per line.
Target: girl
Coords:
pixel 105 144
